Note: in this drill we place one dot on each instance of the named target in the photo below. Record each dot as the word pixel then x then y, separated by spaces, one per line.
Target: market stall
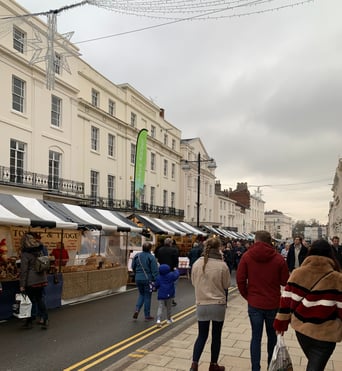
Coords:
pixel 183 233
pixel 96 241
pixel 15 220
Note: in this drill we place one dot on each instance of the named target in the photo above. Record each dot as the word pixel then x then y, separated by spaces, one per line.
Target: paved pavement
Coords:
pixel 174 352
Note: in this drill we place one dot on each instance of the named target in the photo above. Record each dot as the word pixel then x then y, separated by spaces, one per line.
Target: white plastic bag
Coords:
pixel 281 360
pixel 22 307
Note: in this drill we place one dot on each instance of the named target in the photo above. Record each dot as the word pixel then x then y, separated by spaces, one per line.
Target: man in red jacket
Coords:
pixel 261 272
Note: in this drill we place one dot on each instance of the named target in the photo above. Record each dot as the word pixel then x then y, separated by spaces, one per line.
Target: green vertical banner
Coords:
pixel 140 167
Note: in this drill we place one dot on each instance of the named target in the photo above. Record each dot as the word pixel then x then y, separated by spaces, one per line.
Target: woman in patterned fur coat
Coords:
pixel 312 302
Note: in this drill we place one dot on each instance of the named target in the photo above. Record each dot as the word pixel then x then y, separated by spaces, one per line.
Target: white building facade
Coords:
pixel 75 140
pixel 278 224
pixel 335 209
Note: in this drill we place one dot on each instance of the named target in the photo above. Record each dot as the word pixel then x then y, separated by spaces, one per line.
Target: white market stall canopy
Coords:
pixel 229 234
pixel 169 227
pixel 91 218
pixel 27 211
pixel 188 229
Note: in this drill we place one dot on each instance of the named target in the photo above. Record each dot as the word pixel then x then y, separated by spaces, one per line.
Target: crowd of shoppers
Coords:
pixel 297 284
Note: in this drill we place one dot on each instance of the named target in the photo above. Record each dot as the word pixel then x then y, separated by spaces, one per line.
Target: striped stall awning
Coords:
pixel 160 226
pixel 27 211
pixel 187 228
pixel 91 218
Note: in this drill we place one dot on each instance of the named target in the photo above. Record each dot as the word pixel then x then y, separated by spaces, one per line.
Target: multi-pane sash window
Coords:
pixel 173 171
pixel 111 187
pixel 173 199
pixel 57 63
pixel 54 169
pixel 56 111
pixel 165 198
pixel 18 94
pixel 153 196
pixel 153 131
pixel 133 119
pixel 111 145
pixel 94 183
pixel 153 161
pixel 132 193
pixel 166 139
pixel 174 144
pixel 19 39
pixel 94 138
pixel 133 149
pixel 165 167
pixel 111 107
pixel 17 160
pixel 95 97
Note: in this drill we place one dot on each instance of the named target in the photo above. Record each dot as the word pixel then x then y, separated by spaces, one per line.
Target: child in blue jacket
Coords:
pixel 165 284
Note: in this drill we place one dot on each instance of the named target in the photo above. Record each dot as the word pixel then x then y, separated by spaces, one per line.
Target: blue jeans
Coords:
pixel 257 318
pixel 144 298
pixel 317 352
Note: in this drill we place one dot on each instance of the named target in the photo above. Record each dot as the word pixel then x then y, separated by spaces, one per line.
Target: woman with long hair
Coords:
pixel 312 303
pixel 32 282
pixel 211 278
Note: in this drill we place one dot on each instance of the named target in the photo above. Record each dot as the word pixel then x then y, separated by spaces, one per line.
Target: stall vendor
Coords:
pixel 60 254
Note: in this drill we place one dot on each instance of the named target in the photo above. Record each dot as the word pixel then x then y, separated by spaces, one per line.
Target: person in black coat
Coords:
pixel 168 254
pixel 194 253
pixel 296 254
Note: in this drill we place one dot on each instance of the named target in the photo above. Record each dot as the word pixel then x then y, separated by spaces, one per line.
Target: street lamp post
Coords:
pixel 211 165
pixel 198 189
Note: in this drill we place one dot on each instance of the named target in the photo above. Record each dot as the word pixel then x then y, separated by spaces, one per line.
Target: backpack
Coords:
pixel 42 264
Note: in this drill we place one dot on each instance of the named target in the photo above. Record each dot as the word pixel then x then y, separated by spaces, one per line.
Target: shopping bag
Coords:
pixel 152 286
pixel 22 306
pixel 281 360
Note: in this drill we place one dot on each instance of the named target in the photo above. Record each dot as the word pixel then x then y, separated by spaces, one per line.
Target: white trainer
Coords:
pixel 169 321
pixel 159 323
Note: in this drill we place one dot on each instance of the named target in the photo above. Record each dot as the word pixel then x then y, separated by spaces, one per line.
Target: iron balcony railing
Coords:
pixel 64 187
pixel 28 179
pixel 128 206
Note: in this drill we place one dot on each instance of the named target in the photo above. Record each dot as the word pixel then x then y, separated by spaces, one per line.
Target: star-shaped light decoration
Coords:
pixel 51 43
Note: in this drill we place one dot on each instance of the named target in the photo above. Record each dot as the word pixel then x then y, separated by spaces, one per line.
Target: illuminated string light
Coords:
pixel 171 10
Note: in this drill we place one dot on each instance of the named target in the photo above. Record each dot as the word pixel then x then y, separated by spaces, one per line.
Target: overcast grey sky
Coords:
pixel 263 92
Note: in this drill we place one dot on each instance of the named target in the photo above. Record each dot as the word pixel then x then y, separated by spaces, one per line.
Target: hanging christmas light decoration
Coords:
pixel 178 10
pixel 170 10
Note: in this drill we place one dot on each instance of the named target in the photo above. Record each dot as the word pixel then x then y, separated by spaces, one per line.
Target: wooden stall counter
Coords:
pixel 82 283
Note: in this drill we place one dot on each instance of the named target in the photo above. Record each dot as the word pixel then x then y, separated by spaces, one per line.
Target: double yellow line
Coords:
pixel 114 349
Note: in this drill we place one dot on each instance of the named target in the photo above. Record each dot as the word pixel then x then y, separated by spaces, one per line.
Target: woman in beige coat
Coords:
pixel 211 278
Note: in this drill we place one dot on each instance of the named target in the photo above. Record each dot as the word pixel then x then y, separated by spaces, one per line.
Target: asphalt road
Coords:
pixel 90 335
pixel 79 332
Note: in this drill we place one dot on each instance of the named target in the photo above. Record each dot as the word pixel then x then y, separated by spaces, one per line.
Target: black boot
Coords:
pixel 44 325
pixel 194 366
pixel 28 323
pixel 216 367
